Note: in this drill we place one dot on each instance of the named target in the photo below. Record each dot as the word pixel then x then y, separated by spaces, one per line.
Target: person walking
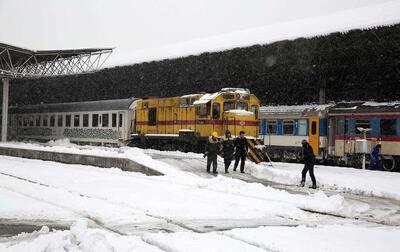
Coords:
pixel 309 160
pixel 212 150
pixel 240 144
pixel 374 160
pixel 227 149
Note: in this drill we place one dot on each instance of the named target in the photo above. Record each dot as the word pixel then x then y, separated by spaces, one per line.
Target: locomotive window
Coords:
pixel 254 109
pixel 85 120
pixel 114 120
pixel 121 119
pixel 76 120
pixel 216 111
pixel 203 110
pixel 288 127
pixel 152 117
pixel 388 127
pixel 229 106
pixel 45 120
pixel 59 120
pixel 95 120
pixel 302 127
pixel 271 127
pixel 38 117
pixel 362 123
pixel 342 127
pixel 242 106
pixel 105 120
pixel 68 121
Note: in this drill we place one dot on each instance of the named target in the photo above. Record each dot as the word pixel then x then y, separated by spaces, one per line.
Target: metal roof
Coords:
pixel 104 105
pixel 358 107
pixel 21 62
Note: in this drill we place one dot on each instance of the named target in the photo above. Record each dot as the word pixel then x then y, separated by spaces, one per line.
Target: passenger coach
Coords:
pixel 94 122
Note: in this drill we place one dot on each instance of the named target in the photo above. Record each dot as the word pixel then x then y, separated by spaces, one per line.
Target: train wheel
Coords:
pixel 389 163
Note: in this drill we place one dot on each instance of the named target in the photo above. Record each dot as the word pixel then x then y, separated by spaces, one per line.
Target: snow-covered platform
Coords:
pixel 187 209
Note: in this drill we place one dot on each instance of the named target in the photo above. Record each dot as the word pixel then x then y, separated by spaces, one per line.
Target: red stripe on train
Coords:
pixel 202 122
pixel 379 138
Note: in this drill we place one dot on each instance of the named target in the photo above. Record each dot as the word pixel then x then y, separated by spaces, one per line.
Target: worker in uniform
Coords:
pixel 309 160
pixel 212 150
pixel 240 144
pixel 227 149
pixel 374 160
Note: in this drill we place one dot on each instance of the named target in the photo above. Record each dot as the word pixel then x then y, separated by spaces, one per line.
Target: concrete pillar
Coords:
pixel 6 84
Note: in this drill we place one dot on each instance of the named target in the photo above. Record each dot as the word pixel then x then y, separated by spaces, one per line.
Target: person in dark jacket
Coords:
pixel 374 160
pixel 240 144
pixel 309 160
pixel 212 150
pixel 227 148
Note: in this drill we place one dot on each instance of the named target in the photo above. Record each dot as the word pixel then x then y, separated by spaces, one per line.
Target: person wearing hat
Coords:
pixel 240 144
pixel 212 150
pixel 309 160
pixel 227 148
pixel 374 160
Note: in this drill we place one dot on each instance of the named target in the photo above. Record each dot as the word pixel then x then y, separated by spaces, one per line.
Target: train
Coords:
pixel 174 123
pixel 339 134
pixel 335 131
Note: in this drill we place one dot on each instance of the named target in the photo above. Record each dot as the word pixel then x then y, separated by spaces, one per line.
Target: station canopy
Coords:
pixel 17 62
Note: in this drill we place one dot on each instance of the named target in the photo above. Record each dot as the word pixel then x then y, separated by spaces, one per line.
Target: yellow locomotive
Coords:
pixel 185 122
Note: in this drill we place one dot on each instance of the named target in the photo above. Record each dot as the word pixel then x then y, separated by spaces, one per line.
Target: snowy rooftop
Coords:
pixel 365 17
pixel 294 108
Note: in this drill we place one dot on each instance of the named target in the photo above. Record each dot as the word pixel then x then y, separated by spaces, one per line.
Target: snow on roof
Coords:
pixel 294 108
pixel 236 90
pixel 190 95
pixel 240 112
pixel 206 98
pixel 365 17
pixel 395 104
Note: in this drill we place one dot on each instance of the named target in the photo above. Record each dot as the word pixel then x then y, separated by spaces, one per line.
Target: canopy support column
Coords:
pixel 4 120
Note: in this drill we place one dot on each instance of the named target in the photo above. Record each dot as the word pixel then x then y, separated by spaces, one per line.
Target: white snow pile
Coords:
pixel 357 181
pixel 78 239
pixel 61 142
pixel 321 238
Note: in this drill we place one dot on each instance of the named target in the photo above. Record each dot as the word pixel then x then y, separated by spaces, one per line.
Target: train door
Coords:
pixel 313 136
pixel 122 129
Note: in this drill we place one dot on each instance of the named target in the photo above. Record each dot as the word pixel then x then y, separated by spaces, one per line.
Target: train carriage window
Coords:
pixel 76 120
pixel 121 119
pixel 52 120
pixel 45 120
pixel 114 120
pixel 342 127
pixel 362 123
pixel 68 121
pixel 20 121
pixel 302 127
pixel 229 105
pixel 26 121
pixel 271 127
pixel 216 110
pixel 313 128
pixel 85 120
pixel 95 120
pixel 59 120
pixel 288 127
pixel 388 127
pixel 242 106
pixel 152 117
pixel 104 122
pixel 38 117
pixel 31 121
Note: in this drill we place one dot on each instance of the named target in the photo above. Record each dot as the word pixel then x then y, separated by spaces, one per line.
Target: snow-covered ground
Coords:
pixel 184 210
